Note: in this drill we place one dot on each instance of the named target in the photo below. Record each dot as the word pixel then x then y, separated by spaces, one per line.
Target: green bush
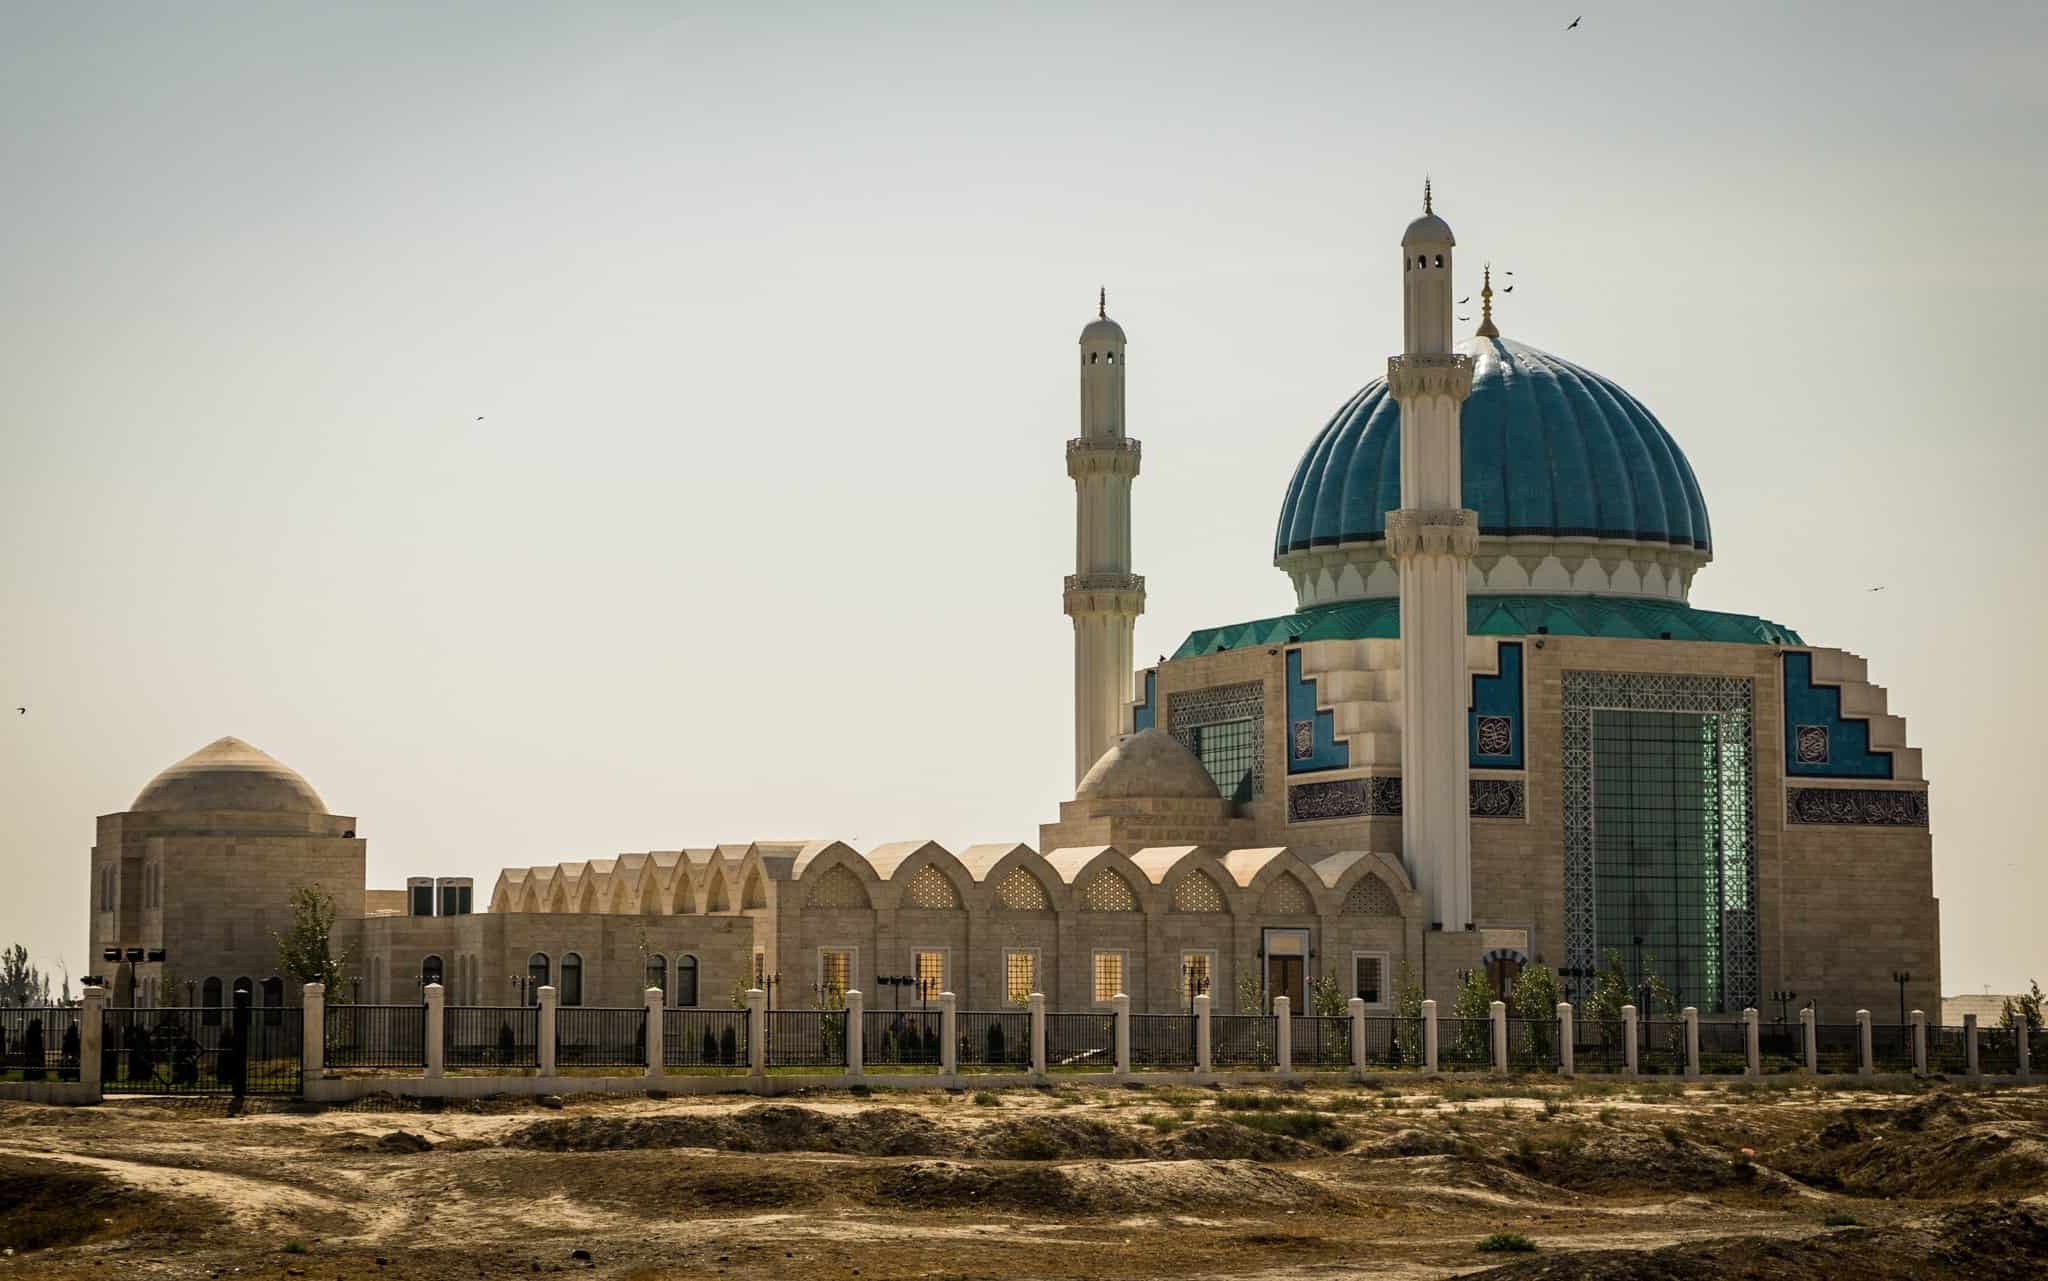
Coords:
pixel 1506 1243
pixel 1841 1221
pixel 1309 1127
pixel 984 1098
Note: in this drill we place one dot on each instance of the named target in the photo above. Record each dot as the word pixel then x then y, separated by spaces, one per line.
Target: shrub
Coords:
pixel 1552 1106
pixel 1506 1243
pixel 710 1051
pixel 1310 1127
pixel 1673 1135
pixel 984 1098
pixel 295 1247
pixel 728 1046
pixel 1841 1221
pixel 506 1046
pixel 995 1041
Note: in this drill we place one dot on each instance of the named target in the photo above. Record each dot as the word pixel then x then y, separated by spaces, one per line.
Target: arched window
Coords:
pixel 657 973
pixel 536 976
pixel 273 1001
pixel 686 982
pixel 431 971
pixel 572 979
pixel 209 999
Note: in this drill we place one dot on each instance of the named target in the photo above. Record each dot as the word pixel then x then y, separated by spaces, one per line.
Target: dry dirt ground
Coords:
pixel 1388 1179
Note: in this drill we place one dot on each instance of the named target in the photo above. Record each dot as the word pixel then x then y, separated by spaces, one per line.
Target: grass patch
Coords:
pixel 1245 1101
pixel 1505 1243
pixel 1841 1221
pixel 987 1099
pixel 294 1247
pixel 1309 1127
pixel 1164 1122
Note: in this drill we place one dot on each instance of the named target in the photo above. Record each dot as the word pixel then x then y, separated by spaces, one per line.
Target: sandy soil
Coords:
pixel 1389 1180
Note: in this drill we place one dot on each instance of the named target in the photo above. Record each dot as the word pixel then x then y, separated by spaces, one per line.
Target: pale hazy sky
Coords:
pixel 769 311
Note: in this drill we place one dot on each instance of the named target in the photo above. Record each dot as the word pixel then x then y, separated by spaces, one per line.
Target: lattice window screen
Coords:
pixel 1288 898
pixel 838 888
pixel 1109 892
pixel 1019 891
pixel 1371 897
pixel 930 890
pixel 1197 893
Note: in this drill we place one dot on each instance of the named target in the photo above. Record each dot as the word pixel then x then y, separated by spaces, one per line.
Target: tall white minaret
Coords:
pixel 1432 538
pixel 1104 598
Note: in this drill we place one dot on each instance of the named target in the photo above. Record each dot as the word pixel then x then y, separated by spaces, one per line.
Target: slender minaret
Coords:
pixel 1432 537
pixel 1104 598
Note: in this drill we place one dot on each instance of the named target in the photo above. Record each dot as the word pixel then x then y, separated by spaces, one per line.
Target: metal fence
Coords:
pixel 375 1036
pixel 1724 1049
pixel 995 1039
pixel 1464 1044
pixel 1948 1053
pixel 1163 1040
pixel 1319 1041
pixel 1599 1046
pixel 39 1043
pixel 1998 1051
pixel 494 1036
pixel 1891 1048
pixel 903 1038
pixel 590 1036
pixel 704 1038
pixel 1243 1041
pixel 1533 1044
pixel 807 1038
pixel 1660 1048
pixel 200 1051
pixel 1393 1042
pixel 1838 1047
pixel 1082 1042
pixel 1780 1047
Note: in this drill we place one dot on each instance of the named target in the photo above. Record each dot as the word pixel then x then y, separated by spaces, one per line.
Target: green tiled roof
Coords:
pixel 1627 617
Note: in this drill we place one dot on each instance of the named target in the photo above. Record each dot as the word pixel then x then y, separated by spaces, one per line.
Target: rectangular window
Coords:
pixel 1197 976
pixel 1369 977
pixel 835 970
pixel 1227 750
pixel 928 966
pixel 1020 975
pixel 1109 975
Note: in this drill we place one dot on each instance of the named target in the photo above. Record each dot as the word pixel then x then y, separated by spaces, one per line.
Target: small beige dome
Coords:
pixel 1428 230
pixel 1151 765
pixel 228 774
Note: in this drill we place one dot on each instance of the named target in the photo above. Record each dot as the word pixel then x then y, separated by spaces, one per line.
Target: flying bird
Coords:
pixel 1877 589
pixel 1510 289
pixel 479 417
pixel 1576 21
pixel 1464 317
pixel 22 710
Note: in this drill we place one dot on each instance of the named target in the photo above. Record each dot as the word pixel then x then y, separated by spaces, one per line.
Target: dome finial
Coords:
pixel 1102 303
pixel 1425 193
pixel 1486 329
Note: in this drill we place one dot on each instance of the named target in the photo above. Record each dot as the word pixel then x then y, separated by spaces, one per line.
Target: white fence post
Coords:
pixel 1565 1012
pixel 312 1030
pixel 544 1033
pixel 1628 1040
pixel 1919 1018
pixel 1429 1036
pixel 1358 1035
pixel 655 1000
pixel 1809 1039
pixel 1283 1013
pixel 949 1034
pixel 856 1031
pixel 92 1038
pixel 1037 1000
pixel 1120 1007
pixel 1864 1066
pixel 1497 1017
pixel 1691 1015
pixel 1205 1049
pixel 1970 1043
pixel 437 1019
pixel 757 1031
pixel 1752 1046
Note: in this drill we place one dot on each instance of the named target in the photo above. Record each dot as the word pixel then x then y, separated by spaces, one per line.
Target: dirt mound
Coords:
pixel 1053 1138
pixel 1924 1161
pixel 395 1143
pixel 1995 1242
pixel 49 1203
pixel 1224 1141
pixel 1623 1162
pixel 773 1127
pixel 1409 1143
pixel 1460 1175
pixel 1124 1187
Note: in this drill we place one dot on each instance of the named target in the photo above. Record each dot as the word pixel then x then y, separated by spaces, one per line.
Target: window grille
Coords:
pixel 1228 750
pixel 1197 975
pixel 1287 897
pixel 839 887
pixel 930 890
pixel 1019 891
pixel 1108 892
pixel 1370 897
pixel 930 971
pixel 1220 725
pixel 835 970
pixel 1197 893
pixel 1109 975
pixel 1020 975
pixel 1368 978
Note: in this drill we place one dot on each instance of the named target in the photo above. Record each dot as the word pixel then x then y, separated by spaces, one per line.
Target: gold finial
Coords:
pixel 1486 329
pixel 1102 303
pixel 1425 193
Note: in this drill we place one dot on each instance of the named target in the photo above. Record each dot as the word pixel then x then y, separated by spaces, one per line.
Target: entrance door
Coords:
pixel 1283 978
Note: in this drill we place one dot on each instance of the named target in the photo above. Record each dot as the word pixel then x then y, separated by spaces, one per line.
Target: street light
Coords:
pixel 1784 998
pixel 895 983
pixel 1901 978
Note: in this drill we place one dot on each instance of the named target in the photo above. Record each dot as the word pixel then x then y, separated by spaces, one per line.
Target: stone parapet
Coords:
pixel 1450 532
pixel 1415 376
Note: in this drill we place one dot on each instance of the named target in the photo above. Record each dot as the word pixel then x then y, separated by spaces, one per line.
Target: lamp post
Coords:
pixel 1901 978
pixel 1784 998
pixel 1195 982
pixel 895 983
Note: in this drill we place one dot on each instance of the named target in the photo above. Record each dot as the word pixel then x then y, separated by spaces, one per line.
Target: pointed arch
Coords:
pixel 836 887
pixel 505 893
pixel 558 896
pixel 1079 868
pixel 1286 896
pixel 648 900
pixel 925 875
pixel 716 897
pixel 1255 870
pixel 584 900
pixel 754 897
pixel 1347 871
pixel 682 898
pixel 1197 891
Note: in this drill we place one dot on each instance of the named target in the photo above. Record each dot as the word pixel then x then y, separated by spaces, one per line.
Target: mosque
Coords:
pixel 1493 732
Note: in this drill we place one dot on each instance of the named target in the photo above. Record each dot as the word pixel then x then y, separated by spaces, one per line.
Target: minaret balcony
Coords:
pixel 1105 594
pixel 1447 375
pixel 1088 455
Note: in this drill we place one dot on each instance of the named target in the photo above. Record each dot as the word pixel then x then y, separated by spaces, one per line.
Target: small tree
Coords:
pixel 1474 1010
pixel 1408 1004
pixel 1250 999
pixel 1534 1001
pixel 1610 990
pixel 709 1052
pixel 307 951
pixel 20 982
pixel 1326 997
pixel 32 1051
pixel 2023 1009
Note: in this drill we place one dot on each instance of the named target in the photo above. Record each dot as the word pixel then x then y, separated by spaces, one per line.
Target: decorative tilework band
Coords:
pixel 1856 806
pixel 1380 797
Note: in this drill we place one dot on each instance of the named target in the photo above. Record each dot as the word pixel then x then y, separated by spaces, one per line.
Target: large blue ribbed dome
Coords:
pixel 1549 450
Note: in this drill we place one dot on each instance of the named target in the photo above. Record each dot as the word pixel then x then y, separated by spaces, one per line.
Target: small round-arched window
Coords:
pixel 537 971
pixel 686 982
pixel 572 979
pixel 657 973
pixel 431 970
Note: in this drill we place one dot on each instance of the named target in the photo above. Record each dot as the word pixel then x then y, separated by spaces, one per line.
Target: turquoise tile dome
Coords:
pixel 1549 449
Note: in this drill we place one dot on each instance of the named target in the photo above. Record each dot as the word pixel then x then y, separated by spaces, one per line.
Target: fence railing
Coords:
pixel 704 1038
pixel 1599 1045
pixel 1464 1045
pixel 1243 1041
pixel 503 1037
pixel 1392 1041
pixel 1780 1048
pixel 1080 1042
pixel 39 1042
pixel 200 1050
pixel 1533 1044
pixel 1998 1051
pixel 1948 1051
pixel 806 1038
pixel 903 1038
pixel 1724 1049
pixel 591 1036
pixel 1162 1040
pixel 997 1039
pixel 1319 1041
pixel 376 1036
pixel 1891 1048
pixel 1838 1047
pixel 1660 1047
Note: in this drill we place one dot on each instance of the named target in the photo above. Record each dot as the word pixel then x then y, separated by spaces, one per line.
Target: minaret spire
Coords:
pixel 1103 596
pixel 1425 194
pixel 1486 329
